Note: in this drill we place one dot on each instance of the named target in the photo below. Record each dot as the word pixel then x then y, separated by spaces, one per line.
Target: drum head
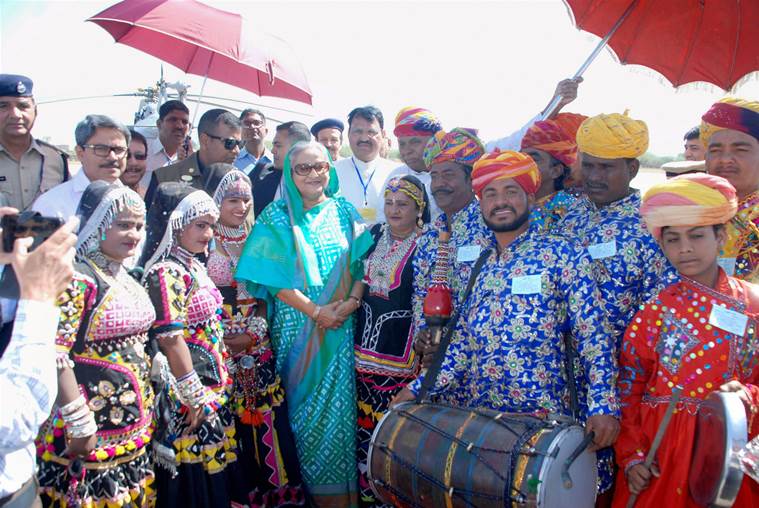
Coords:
pixel 583 471
pixel 715 474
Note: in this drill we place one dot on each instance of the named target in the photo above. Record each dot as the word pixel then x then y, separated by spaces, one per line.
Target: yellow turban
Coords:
pixel 730 113
pixel 695 199
pixel 613 136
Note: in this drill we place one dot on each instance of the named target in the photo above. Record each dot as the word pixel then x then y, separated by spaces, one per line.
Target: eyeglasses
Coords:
pixel 104 150
pixel 253 123
pixel 305 168
pixel 229 143
pixel 137 156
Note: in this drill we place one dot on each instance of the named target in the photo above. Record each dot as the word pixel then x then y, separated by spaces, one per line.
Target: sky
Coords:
pixel 490 65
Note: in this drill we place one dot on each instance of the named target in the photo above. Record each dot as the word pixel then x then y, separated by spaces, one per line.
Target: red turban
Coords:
pixel 556 137
pixel 500 165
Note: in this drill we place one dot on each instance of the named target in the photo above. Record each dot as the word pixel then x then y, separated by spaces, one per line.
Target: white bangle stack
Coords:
pixel 80 421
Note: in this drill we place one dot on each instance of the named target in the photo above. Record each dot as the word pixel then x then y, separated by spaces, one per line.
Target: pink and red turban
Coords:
pixel 695 199
pixel 730 113
pixel 500 165
pixel 413 121
pixel 458 145
pixel 556 137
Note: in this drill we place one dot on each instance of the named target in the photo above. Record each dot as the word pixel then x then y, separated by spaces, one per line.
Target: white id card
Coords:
pixel 728 320
pixel 727 264
pixel 526 285
pixel 602 250
pixel 467 253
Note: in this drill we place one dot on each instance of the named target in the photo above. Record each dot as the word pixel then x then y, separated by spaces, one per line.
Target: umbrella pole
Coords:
pixel 551 109
pixel 197 102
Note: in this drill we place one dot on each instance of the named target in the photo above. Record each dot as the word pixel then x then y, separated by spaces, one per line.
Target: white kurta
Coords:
pixel 362 184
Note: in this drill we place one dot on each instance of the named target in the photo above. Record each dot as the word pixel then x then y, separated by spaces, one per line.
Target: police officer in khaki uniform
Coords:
pixel 219 135
pixel 28 166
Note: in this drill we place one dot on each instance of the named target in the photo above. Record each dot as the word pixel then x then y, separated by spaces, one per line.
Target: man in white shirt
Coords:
pixel 28 373
pixel 173 128
pixel 101 147
pixel 254 133
pixel 362 176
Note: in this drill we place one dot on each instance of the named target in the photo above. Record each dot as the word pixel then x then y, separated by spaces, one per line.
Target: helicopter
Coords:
pixel 153 96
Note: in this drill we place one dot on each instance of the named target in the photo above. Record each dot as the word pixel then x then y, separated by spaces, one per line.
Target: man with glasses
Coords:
pixel 136 163
pixel 101 147
pixel 254 133
pixel 28 166
pixel 220 138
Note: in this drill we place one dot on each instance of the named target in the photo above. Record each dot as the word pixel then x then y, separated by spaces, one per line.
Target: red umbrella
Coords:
pixel 208 42
pixel 716 41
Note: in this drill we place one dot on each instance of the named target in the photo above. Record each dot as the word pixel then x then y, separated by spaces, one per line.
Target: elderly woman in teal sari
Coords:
pixel 305 257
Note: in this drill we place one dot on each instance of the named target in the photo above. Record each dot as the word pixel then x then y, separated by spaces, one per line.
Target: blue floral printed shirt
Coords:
pixel 507 350
pixel 469 236
pixel 551 209
pixel 630 268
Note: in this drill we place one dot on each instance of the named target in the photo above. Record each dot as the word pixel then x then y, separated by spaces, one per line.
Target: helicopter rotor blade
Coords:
pixel 70 99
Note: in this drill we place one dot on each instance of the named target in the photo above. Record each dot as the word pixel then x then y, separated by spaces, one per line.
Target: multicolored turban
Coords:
pixel 730 113
pixel 458 145
pixel 500 165
pixel 613 136
pixel 695 199
pixel 556 136
pixel 413 121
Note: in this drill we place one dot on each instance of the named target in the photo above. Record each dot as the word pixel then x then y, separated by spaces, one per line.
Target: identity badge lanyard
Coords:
pixel 364 186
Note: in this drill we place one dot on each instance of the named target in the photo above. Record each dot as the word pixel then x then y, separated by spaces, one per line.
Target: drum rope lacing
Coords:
pixel 522 439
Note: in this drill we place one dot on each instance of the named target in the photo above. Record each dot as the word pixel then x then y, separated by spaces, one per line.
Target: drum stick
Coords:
pixel 659 436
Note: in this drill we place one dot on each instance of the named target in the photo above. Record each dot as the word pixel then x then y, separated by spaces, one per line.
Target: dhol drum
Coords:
pixel 721 432
pixel 427 455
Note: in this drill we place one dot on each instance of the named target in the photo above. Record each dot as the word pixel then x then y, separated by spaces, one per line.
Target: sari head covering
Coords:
pixel 500 165
pixel 273 247
pixel 412 187
pixel 557 137
pixel 458 145
pixel 613 136
pixel 175 206
pixel 101 203
pixel 413 121
pixel 730 113
pixel 695 199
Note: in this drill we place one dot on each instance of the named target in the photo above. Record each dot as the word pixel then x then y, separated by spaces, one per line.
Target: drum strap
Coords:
pixel 437 361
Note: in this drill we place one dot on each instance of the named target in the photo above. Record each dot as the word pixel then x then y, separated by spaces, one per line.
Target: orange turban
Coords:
pixel 500 165
pixel 556 136
pixel 695 199
pixel 730 113
pixel 613 136
pixel 458 145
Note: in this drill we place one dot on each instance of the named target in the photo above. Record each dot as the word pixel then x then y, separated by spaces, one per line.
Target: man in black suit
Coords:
pixel 220 137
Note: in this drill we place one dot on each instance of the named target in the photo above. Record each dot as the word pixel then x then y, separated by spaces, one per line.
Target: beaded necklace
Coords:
pixel 386 263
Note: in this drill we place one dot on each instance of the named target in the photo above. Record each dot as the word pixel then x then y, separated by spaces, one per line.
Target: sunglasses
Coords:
pixel 229 143
pixel 137 156
pixel 305 168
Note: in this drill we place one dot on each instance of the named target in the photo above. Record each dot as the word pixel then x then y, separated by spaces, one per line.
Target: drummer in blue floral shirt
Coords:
pixel 450 156
pixel 506 352
pixel 630 267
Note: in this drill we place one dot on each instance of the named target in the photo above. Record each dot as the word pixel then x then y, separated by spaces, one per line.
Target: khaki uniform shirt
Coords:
pixel 41 168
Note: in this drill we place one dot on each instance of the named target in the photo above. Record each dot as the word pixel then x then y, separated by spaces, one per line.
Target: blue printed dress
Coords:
pixel 507 347
pixel 469 236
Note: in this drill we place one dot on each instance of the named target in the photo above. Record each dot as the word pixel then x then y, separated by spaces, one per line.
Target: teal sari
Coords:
pixel 319 252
